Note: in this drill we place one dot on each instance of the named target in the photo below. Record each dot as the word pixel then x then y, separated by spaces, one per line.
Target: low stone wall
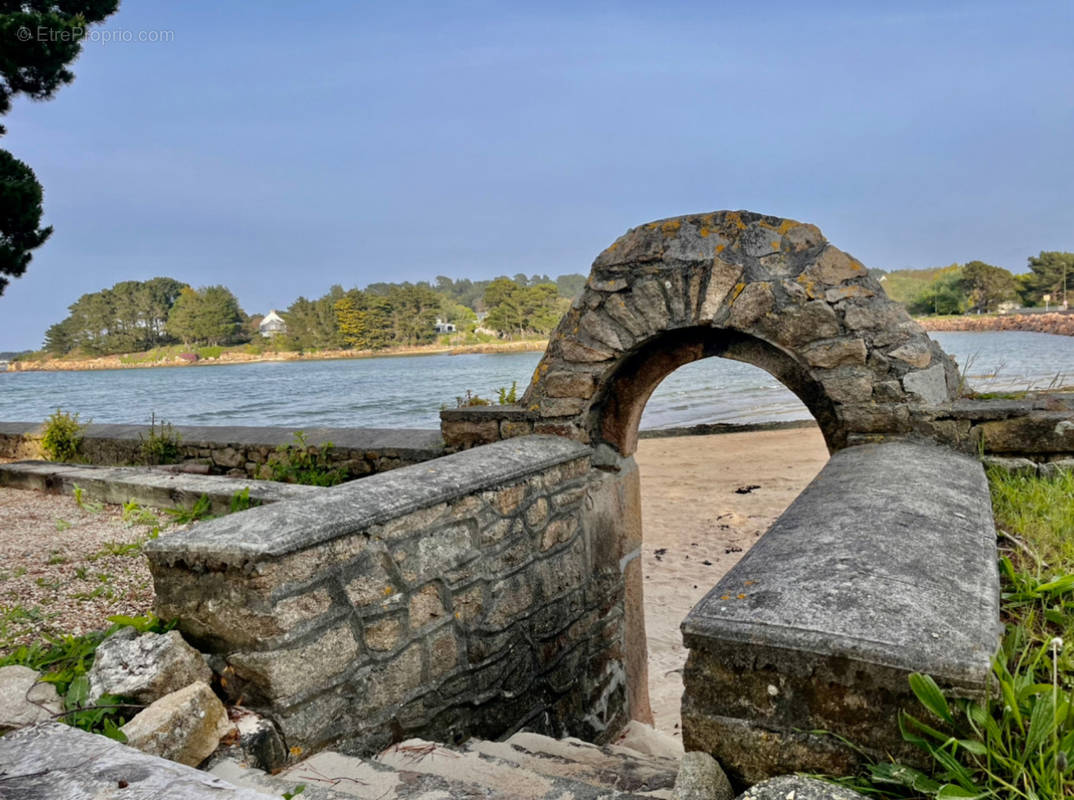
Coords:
pixel 884 566
pixel 238 450
pixel 1039 427
pixel 468 596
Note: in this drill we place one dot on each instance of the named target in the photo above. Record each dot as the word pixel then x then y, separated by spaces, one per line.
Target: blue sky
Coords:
pixel 278 148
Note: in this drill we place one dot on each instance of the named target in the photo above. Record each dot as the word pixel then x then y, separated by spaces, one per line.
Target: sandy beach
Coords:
pixel 696 526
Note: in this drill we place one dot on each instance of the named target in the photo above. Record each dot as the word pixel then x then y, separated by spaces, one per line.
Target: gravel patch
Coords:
pixel 65 566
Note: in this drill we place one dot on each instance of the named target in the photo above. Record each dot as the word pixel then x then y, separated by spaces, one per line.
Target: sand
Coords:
pixel 695 527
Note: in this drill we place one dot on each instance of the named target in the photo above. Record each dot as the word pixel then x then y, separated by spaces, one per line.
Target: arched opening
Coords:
pixel 615 414
pixel 705 499
pixel 613 423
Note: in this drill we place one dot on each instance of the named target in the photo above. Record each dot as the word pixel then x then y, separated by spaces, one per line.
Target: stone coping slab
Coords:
pixel 411 440
pixel 887 558
pixel 145 486
pixel 273 531
pixel 53 761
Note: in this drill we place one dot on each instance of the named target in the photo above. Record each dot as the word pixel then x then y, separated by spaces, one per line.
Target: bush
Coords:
pixel 160 447
pixel 212 351
pixel 300 462
pixel 63 437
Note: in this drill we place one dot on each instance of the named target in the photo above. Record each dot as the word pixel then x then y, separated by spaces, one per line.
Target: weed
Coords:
pixel 65 660
pixel 62 524
pixel 300 462
pixel 240 501
pixel 80 573
pixel 84 504
pixel 507 397
pixel 135 514
pixel 56 557
pixel 160 447
pixel 62 440
pixel 294 792
pixel 183 516
pixel 469 400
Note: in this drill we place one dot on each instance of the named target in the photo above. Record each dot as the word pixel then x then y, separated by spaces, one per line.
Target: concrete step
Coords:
pixel 525 767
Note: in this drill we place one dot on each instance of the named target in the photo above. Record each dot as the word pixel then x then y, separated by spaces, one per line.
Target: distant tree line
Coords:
pixel 135 316
pixel 977 287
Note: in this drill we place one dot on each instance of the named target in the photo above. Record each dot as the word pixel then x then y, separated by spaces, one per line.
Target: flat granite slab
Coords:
pixel 53 761
pixel 150 487
pixel 884 565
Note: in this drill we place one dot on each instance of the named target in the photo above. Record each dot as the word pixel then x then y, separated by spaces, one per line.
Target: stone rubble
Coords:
pixel 25 699
pixel 145 667
pixel 185 726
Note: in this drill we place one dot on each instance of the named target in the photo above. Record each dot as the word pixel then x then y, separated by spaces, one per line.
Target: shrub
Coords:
pixel 300 462
pixel 470 399
pixel 507 397
pixel 160 447
pixel 63 436
pixel 212 351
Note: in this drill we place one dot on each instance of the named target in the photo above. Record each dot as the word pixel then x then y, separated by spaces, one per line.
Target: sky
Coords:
pixel 282 147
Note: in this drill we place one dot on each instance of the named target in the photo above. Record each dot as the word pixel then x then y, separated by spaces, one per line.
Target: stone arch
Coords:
pixel 760 289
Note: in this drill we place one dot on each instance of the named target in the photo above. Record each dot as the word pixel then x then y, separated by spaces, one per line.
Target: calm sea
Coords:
pixel 408 392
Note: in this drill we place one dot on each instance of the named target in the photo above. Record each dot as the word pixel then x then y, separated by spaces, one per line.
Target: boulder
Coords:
pixel 145 667
pixel 184 726
pixel 24 699
pixel 257 745
pixel 702 778
pixel 794 787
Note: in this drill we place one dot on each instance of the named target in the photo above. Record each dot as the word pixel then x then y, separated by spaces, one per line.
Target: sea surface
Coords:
pixel 408 392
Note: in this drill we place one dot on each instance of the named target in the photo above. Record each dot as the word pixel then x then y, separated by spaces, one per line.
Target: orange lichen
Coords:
pixel 720 248
pixel 704 233
pixel 734 219
pixel 671 226
pixel 739 287
pixel 786 225
pixel 774 245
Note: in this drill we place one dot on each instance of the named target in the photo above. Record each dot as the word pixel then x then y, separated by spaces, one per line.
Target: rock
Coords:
pixel 145 667
pixel 57 762
pixel 929 384
pixel 184 726
pixel 648 740
pixel 793 787
pixel 1016 466
pixel 1052 469
pixel 916 354
pixel 24 700
pixel 701 778
pixel 256 743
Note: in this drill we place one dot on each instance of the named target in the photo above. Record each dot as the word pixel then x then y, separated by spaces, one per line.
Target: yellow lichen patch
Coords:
pixel 720 248
pixel 774 245
pixel 739 287
pixel 786 225
pixel 734 219
pixel 388 590
pixel 671 226
pixel 704 233
pixel 741 597
pixel 725 597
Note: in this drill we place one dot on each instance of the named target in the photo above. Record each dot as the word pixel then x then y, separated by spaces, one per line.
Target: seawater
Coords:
pixel 408 392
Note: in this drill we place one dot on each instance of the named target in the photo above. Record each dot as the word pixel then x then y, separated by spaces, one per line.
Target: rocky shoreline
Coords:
pixel 237 357
pixel 1061 324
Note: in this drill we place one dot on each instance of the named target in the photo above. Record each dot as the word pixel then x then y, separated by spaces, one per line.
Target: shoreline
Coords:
pixel 231 358
pixel 1056 323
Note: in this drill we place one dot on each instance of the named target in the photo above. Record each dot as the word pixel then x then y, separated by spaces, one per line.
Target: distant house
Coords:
pixel 272 324
pixel 444 327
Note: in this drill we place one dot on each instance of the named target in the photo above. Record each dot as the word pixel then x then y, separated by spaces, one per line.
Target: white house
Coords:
pixel 443 326
pixel 272 324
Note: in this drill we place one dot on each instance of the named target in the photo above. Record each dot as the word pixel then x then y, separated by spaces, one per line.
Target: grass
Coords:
pixel 1019 741
pixel 301 462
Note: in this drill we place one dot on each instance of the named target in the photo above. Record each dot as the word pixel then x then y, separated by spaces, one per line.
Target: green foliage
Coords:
pixel 65 661
pixel 517 310
pixel 20 212
pixel 295 792
pixel 986 286
pixel 470 400
pixel 213 351
pixel 313 324
pixel 160 446
pixel 210 315
pixel 301 462
pixel 944 295
pixel 507 397
pixel 84 504
pixel 130 316
pixel 63 436
pixel 200 510
pixel 1019 741
pixel 240 501
pixel 1051 273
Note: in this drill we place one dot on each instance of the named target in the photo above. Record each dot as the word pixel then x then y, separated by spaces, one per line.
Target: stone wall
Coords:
pixel 238 450
pixel 468 596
